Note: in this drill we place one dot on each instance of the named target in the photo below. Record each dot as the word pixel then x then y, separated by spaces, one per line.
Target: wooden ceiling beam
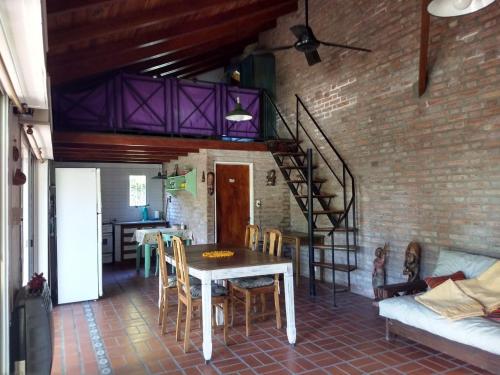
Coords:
pixel 95 60
pixel 424 47
pixel 193 72
pixel 111 156
pixel 202 66
pixel 123 148
pixel 152 155
pixel 100 159
pixel 223 56
pixel 58 7
pixel 154 65
pixel 170 11
pixel 144 141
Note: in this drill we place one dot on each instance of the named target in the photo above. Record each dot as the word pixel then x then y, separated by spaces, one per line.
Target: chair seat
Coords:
pixel 172 281
pixel 217 290
pixel 253 282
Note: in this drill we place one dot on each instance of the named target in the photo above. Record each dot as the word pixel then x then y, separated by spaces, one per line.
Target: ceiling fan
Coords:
pixel 307 42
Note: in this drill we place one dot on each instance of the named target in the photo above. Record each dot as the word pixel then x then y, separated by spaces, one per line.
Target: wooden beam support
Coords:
pixel 424 47
pixel 171 11
pixel 59 7
pixel 193 72
pixel 151 155
pixel 218 59
pixel 157 66
pixel 115 55
pixel 144 141
pixel 124 148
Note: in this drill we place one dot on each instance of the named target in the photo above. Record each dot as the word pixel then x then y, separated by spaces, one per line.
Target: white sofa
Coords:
pixel 477 338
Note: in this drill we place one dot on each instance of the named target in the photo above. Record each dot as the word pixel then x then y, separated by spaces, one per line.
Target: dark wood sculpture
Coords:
pixel 412 261
pixel 378 274
pixel 412 270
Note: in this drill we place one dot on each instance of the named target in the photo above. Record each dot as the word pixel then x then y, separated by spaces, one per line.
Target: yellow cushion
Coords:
pixel 450 301
pixel 485 288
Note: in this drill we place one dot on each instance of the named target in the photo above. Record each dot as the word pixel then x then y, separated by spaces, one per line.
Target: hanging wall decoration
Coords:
pixel 210 183
pixel 271 178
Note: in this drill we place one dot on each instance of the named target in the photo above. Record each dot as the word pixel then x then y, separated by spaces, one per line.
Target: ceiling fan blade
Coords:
pixel 298 30
pixel 345 46
pixel 271 50
pixel 312 57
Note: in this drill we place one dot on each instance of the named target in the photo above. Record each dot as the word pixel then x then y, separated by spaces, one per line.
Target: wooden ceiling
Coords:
pixel 178 38
pixel 125 148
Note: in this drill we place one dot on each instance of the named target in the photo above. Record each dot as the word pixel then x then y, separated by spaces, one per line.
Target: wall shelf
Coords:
pixel 186 182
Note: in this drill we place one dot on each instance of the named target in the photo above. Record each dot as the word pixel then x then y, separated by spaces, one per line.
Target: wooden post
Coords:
pixel 424 47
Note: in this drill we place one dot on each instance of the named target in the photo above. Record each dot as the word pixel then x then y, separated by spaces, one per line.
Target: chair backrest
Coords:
pixel 252 236
pixel 273 242
pixel 161 259
pixel 181 267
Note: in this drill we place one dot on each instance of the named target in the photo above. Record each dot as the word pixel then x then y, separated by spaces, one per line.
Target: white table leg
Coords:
pixel 290 306
pixel 206 301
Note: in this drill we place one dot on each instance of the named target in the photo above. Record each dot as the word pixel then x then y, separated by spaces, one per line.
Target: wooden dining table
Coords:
pixel 243 263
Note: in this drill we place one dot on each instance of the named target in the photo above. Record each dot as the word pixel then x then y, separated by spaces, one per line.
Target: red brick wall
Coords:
pixel 427 168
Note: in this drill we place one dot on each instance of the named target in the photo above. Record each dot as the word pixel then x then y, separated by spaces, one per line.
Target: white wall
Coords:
pixel 115 188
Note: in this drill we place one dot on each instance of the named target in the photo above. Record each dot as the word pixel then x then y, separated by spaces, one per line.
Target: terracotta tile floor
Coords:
pixel 345 340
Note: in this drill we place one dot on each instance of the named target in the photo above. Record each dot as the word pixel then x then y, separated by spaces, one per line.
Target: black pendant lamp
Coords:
pixel 238 113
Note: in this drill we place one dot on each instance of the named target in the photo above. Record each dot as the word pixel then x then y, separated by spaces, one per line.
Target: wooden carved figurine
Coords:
pixel 378 274
pixel 412 261
pixel 271 178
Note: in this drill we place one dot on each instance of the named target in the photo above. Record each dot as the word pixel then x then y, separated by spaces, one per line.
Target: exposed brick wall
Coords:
pixel 426 169
pixel 198 213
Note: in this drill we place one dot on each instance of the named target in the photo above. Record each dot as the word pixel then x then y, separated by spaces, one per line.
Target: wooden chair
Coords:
pixel 252 237
pixel 190 295
pixel 168 283
pixel 244 290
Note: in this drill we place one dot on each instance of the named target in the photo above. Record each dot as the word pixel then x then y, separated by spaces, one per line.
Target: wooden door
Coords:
pixel 233 202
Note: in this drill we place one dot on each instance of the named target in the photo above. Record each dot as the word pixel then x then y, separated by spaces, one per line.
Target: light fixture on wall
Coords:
pixel 451 8
pixel 238 113
pixel 160 176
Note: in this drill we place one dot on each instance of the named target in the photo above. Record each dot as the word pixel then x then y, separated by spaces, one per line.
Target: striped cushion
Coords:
pixel 172 281
pixel 217 290
pixel 253 282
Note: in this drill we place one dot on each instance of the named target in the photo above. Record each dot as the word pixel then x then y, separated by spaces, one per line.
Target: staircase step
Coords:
pixel 326 212
pixel 338 229
pixel 316 196
pixel 336 266
pixel 298 154
pixel 336 247
pixel 317 181
pixel 295 167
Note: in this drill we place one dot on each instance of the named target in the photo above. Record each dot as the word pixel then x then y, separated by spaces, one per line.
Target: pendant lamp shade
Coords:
pixel 451 8
pixel 238 113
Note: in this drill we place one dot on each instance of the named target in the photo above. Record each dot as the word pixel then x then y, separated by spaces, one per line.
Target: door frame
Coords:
pixel 251 192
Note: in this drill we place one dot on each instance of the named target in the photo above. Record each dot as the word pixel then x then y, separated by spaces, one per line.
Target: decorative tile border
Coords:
pixel 97 343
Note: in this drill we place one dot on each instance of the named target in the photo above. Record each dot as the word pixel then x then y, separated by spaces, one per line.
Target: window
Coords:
pixel 137 190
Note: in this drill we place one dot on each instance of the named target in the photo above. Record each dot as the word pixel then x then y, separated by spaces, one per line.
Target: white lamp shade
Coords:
pixel 452 8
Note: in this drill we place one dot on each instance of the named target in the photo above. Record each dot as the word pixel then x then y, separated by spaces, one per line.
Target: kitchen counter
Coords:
pixel 140 222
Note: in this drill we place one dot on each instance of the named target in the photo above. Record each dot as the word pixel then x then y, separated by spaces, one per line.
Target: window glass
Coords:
pixel 137 190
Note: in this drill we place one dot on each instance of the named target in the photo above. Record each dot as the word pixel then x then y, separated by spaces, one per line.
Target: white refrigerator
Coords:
pixel 79 236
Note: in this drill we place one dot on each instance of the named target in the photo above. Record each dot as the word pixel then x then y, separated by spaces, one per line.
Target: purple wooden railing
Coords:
pixel 133 103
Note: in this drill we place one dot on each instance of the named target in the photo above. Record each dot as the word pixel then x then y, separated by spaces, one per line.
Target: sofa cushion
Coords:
pixel 453 261
pixel 479 332
pixel 433 282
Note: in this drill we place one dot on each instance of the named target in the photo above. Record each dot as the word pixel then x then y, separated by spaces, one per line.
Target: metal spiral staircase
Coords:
pixel 324 190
